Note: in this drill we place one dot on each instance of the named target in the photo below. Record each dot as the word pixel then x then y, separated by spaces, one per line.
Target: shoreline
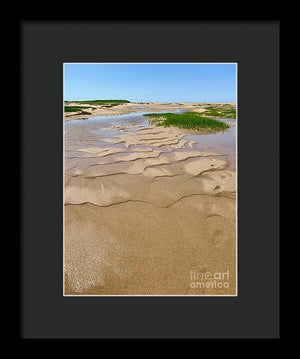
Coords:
pixel 127 108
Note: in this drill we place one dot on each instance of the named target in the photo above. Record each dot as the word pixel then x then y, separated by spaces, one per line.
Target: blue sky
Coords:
pixel 151 82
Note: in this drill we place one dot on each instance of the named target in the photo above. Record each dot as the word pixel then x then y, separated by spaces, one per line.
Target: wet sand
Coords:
pixel 148 207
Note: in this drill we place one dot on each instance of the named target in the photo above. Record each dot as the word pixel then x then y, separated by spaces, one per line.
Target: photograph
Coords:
pixel 150 179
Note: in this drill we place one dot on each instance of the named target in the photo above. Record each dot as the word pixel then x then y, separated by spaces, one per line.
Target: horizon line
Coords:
pixel 149 101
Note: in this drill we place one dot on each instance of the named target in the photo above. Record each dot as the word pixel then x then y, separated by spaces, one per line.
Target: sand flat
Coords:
pixel 146 206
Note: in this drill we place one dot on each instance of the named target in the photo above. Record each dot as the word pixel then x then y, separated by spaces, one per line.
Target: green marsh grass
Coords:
pixel 188 120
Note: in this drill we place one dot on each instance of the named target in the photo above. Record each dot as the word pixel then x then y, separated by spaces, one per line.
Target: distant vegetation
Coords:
pixel 220 111
pixel 104 103
pixel 189 120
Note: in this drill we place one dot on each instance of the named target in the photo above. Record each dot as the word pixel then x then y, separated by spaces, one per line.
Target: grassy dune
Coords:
pixel 189 120
pixel 76 108
pixel 81 109
pixel 104 103
pixel 220 111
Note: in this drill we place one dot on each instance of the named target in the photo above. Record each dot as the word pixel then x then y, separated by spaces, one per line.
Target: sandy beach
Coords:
pixel 148 210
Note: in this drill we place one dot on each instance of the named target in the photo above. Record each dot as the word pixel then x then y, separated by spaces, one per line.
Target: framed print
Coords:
pixel 150 208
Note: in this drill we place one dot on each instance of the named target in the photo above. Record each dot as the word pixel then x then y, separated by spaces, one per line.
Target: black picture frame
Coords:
pixel 45 312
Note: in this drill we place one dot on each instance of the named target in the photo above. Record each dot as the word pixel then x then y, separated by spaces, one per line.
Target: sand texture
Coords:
pixel 147 206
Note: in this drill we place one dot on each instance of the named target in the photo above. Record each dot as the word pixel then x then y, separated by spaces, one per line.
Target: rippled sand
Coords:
pixel 145 206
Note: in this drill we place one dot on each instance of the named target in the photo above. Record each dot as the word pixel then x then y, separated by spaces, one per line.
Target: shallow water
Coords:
pixel 91 132
pixel 220 142
pixel 118 119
